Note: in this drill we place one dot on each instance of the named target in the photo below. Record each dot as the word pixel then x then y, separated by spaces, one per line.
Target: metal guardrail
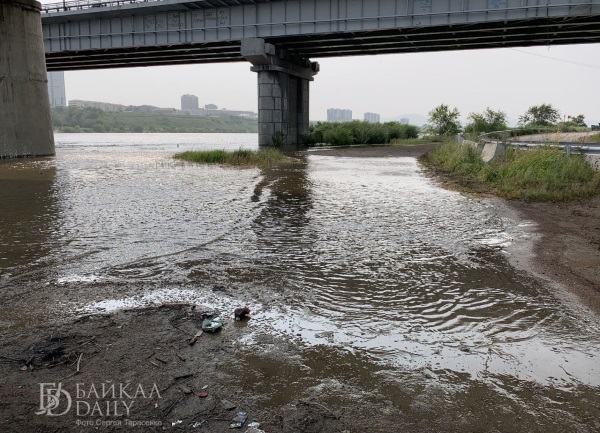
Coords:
pixel 88 4
pixel 567 146
pixel 585 148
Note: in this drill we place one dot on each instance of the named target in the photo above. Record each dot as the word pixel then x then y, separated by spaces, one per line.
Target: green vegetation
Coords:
pixel 358 132
pixel 595 138
pixel 578 120
pixel 443 121
pixel 74 119
pixel 488 121
pixel 541 174
pixel 240 158
pixel 540 115
pixel 278 139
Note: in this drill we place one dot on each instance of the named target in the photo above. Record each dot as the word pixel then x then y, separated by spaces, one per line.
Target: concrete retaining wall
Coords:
pixel 594 160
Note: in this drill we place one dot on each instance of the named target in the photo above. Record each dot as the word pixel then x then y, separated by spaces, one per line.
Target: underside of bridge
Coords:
pixel 470 36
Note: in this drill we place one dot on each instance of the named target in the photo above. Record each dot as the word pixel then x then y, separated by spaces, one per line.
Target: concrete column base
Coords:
pixel 282 109
pixel 25 122
pixel 283 93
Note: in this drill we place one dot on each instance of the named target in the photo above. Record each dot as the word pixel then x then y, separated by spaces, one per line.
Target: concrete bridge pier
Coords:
pixel 25 122
pixel 283 93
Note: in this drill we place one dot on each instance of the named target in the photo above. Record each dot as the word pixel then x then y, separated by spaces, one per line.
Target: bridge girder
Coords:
pixel 183 32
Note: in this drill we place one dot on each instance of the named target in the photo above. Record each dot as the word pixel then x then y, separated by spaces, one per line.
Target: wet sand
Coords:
pixel 566 247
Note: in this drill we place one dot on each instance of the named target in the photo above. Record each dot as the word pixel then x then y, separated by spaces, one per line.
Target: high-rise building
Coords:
pixel 339 115
pixel 372 117
pixel 56 89
pixel 189 102
pixel 404 121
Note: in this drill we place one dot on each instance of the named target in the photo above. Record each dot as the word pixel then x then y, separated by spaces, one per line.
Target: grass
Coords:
pixel 595 138
pixel 240 158
pixel 541 174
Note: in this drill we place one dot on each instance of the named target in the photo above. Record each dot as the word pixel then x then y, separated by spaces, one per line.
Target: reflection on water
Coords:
pixel 28 211
pixel 361 255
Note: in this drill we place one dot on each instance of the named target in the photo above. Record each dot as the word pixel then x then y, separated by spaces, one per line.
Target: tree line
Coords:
pixel 444 120
pixel 75 119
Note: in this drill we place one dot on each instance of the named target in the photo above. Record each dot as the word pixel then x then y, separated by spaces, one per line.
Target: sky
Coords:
pixel 392 85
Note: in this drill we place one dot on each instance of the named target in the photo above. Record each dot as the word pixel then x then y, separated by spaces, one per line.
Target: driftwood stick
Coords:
pixel 76 371
pixel 10 359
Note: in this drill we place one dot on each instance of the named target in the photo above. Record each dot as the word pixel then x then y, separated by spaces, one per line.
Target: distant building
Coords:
pixel 56 89
pixel 372 117
pixel 338 115
pixel 404 121
pixel 141 108
pixel 189 102
pixel 104 106
pixel 165 111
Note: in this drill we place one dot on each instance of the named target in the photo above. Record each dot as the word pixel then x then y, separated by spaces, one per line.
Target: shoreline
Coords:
pixel 564 247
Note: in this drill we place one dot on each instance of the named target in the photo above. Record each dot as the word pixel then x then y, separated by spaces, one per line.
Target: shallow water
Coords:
pixel 364 257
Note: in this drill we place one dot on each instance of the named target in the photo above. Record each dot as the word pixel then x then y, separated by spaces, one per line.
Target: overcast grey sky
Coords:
pixel 567 77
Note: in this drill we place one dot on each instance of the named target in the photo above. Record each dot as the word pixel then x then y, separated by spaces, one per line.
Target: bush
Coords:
pixel 358 132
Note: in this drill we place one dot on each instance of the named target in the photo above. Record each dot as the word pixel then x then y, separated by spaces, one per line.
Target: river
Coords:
pixel 359 255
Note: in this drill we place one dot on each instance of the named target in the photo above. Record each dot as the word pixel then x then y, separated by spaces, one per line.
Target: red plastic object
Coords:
pixel 203 395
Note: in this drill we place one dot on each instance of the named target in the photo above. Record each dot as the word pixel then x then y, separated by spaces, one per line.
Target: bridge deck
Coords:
pixel 132 33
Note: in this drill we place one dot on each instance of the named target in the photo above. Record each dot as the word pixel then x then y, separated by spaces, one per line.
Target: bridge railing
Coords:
pixel 87 4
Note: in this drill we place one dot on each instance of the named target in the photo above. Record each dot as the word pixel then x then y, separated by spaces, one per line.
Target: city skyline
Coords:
pixel 469 82
pixel 510 80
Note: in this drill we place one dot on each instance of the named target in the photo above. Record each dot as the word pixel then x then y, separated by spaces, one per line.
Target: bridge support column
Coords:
pixel 283 92
pixel 25 123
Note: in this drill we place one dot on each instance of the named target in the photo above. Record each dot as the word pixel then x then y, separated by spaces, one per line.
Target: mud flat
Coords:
pixel 277 382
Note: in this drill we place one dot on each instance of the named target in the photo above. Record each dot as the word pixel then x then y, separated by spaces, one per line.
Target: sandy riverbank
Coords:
pixel 566 246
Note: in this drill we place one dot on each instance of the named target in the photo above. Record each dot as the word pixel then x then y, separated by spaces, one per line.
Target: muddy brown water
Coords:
pixel 363 262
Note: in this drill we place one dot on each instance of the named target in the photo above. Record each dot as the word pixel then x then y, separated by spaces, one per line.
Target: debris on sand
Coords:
pixel 241 313
pixel 238 420
pixel 211 322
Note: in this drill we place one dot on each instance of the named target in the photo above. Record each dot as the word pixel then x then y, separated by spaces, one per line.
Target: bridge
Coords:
pixel 278 37
pixel 125 33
